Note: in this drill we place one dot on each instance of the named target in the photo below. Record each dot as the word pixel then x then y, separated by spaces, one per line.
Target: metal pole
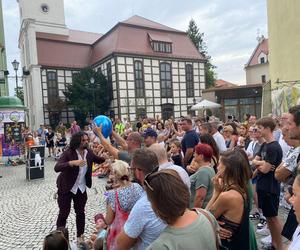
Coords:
pixel 94 103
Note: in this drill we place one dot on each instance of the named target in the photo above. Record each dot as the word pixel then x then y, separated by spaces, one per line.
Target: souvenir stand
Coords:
pixel 12 125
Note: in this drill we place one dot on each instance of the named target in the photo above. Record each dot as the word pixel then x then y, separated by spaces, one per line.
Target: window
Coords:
pixel 263 78
pixel 109 79
pixel 139 79
pixel 52 86
pixel 163 47
pixel 262 60
pixel 167 111
pixel 189 80
pixel 166 80
pixel 141 112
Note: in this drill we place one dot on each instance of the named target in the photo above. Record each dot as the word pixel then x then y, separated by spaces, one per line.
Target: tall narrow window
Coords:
pixel 166 80
pixel 139 79
pixel 52 86
pixel 263 78
pixel 109 79
pixel 189 80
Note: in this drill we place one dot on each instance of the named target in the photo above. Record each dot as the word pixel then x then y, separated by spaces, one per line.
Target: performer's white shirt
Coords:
pixel 80 181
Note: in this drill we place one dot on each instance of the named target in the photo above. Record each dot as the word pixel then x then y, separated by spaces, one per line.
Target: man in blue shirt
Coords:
pixel 189 141
pixel 143 226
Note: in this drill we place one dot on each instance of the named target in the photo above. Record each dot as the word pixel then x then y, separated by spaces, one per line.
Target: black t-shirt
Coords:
pixel 271 153
pixel 177 160
pixel 190 140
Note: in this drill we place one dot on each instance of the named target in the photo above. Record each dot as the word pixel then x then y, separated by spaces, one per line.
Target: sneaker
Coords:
pixel 266 240
pixel 254 216
pixel 262 223
pixel 263 231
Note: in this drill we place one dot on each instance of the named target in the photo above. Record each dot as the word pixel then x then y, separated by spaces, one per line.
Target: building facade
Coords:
pixel 3 65
pixel 154 70
pixel 284 40
pixel 257 68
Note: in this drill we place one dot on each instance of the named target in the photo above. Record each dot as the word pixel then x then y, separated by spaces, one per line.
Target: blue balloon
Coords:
pixel 106 124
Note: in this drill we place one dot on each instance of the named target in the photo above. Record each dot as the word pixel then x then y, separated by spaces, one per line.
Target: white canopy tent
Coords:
pixel 205 104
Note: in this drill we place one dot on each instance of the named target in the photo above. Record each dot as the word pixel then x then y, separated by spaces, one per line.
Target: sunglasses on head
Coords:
pixel 148 178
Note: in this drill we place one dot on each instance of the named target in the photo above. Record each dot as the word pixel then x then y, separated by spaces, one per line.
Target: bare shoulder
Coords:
pixel 231 196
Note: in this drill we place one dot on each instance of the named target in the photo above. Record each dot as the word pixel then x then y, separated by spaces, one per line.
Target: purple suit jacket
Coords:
pixel 68 175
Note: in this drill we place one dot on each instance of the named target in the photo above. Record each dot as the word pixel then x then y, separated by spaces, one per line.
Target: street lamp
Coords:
pixel 15 65
pixel 92 81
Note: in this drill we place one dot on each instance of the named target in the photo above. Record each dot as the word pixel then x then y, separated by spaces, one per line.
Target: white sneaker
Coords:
pixel 263 231
pixel 266 240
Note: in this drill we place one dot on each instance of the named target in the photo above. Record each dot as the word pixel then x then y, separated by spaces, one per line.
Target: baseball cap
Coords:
pixel 149 132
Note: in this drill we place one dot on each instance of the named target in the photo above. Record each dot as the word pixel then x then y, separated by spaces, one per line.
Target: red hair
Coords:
pixel 205 150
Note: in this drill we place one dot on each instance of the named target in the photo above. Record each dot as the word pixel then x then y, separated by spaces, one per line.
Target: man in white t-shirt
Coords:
pixel 218 137
pixel 212 129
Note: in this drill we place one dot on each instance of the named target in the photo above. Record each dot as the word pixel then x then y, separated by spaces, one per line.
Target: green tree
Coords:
pixel 198 39
pixel 88 97
pixel 20 93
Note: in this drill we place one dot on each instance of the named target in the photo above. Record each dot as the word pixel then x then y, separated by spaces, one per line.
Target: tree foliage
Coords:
pixel 87 98
pixel 20 93
pixel 198 39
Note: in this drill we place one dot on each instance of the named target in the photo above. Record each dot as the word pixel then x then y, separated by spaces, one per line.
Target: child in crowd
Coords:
pixel 60 145
pixel 176 155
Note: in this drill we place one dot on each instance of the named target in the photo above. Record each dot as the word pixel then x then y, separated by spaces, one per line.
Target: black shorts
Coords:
pixel 268 203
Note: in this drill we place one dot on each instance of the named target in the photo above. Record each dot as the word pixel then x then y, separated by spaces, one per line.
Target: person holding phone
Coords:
pixel 75 167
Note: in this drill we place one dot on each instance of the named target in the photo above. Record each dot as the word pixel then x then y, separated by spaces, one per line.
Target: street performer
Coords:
pixel 75 167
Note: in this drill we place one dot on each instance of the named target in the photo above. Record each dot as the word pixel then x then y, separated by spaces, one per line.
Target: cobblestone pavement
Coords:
pixel 28 209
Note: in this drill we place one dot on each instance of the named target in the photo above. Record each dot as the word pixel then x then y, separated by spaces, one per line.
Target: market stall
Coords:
pixel 12 125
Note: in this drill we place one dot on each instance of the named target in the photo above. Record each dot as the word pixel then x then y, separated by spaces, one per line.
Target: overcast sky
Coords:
pixel 230 26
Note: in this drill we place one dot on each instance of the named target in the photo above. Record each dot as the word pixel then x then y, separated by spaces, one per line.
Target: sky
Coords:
pixel 230 27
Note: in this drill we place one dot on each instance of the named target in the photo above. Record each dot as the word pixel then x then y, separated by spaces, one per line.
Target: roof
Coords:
pixel 120 40
pixel 263 46
pixel 220 83
pixel 82 49
pixel 75 36
pixel 235 87
pixel 11 102
pixel 144 22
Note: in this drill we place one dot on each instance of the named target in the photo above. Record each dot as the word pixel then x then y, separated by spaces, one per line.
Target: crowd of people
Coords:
pixel 184 184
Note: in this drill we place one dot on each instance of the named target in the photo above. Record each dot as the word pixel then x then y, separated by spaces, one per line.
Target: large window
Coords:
pixel 163 47
pixel 52 86
pixel 166 80
pixel 167 111
pixel 139 79
pixel 242 106
pixel 189 80
pixel 109 79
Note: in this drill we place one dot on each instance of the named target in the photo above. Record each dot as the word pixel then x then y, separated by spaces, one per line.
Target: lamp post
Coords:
pixel 92 81
pixel 15 65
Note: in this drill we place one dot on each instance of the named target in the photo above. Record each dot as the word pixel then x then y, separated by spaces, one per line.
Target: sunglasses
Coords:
pixel 148 178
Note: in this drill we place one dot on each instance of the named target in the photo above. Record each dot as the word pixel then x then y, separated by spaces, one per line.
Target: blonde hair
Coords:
pixel 121 170
pixel 228 128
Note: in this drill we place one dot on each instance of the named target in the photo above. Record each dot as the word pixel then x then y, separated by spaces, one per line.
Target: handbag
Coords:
pixel 217 239
pixel 117 225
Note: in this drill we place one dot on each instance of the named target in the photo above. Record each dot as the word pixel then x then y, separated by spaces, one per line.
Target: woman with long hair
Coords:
pixel 208 139
pixel 230 201
pixel 187 228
